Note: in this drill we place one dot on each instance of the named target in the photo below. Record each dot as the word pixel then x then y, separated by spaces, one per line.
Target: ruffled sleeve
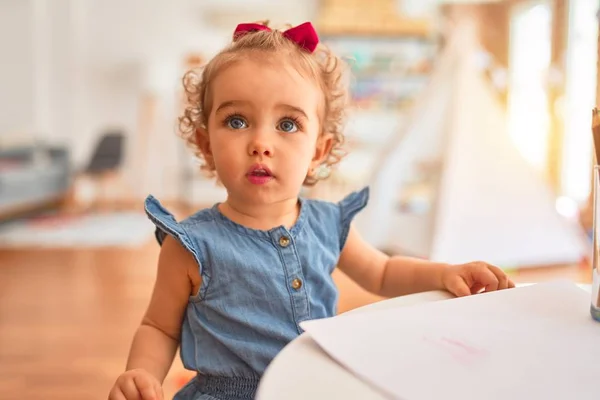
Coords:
pixel 166 224
pixel 349 207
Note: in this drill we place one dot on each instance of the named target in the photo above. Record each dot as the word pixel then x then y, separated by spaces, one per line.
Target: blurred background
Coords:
pixel 471 122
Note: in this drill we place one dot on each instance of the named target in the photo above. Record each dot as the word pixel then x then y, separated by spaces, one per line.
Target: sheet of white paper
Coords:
pixel 535 342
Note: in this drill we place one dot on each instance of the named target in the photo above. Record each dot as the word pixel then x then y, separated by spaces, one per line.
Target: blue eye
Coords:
pixel 288 126
pixel 236 123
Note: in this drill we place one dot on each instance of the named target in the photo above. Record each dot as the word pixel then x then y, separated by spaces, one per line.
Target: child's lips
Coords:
pixel 259 170
pixel 259 174
pixel 259 179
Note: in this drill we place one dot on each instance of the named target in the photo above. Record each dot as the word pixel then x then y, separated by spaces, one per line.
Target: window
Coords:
pixel 529 62
pixel 580 98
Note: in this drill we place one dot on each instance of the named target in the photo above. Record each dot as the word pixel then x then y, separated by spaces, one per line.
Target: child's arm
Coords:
pixel 157 338
pixel 397 276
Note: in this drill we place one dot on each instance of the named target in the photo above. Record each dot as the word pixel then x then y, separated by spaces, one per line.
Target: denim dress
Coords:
pixel 257 287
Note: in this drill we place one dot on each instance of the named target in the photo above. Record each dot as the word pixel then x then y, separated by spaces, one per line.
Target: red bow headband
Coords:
pixel 303 35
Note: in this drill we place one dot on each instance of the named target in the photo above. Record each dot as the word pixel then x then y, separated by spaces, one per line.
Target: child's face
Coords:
pixel 264 130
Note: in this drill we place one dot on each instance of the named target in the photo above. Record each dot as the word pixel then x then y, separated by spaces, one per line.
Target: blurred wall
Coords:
pixel 16 68
pixel 73 68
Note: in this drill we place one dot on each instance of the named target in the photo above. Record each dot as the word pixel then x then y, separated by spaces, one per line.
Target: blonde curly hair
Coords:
pixel 322 65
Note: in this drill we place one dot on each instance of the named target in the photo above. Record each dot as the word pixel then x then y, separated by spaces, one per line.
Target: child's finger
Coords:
pixel 116 394
pixel 502 278
pixel 159 392
pixel 477 288
pixel 458 287
pixel 145 387
pixel 129 389
pixel 484 276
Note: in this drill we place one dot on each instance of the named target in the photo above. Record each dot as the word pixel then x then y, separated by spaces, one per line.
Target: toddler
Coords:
pixel 235 280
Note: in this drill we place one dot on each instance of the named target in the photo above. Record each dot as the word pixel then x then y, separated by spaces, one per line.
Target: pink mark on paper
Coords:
pixel 459 350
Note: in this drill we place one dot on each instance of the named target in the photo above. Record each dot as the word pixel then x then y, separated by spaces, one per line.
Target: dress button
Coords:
pixel 297 284
pixel 284 241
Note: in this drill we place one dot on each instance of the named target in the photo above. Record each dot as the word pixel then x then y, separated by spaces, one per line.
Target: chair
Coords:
pixel 108 155
pixel 105 165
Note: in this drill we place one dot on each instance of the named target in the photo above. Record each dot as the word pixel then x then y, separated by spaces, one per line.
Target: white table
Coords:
pixel 303 371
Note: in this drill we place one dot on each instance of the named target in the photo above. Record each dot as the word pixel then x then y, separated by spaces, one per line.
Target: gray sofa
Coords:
pixel 33 177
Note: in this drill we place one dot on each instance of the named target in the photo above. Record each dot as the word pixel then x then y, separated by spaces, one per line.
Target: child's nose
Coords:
pixel 261 150
pixel 260 145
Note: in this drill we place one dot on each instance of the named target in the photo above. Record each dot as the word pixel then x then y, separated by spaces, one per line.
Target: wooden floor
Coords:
pixel 67 318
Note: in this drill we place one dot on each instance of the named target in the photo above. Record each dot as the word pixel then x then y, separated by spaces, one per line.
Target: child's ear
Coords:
pixel 322 150
pixel 203 143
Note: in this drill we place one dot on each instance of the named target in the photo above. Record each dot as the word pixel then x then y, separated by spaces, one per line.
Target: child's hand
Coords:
pixel 471 278
pixel 136 384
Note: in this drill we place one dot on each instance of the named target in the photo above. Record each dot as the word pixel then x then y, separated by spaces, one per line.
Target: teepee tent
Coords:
pixel 421 139
pixel 489 204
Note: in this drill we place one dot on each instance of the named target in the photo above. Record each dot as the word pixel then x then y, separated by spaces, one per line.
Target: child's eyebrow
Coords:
pixel 292 108
pixel 233 103
pixel 230 103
